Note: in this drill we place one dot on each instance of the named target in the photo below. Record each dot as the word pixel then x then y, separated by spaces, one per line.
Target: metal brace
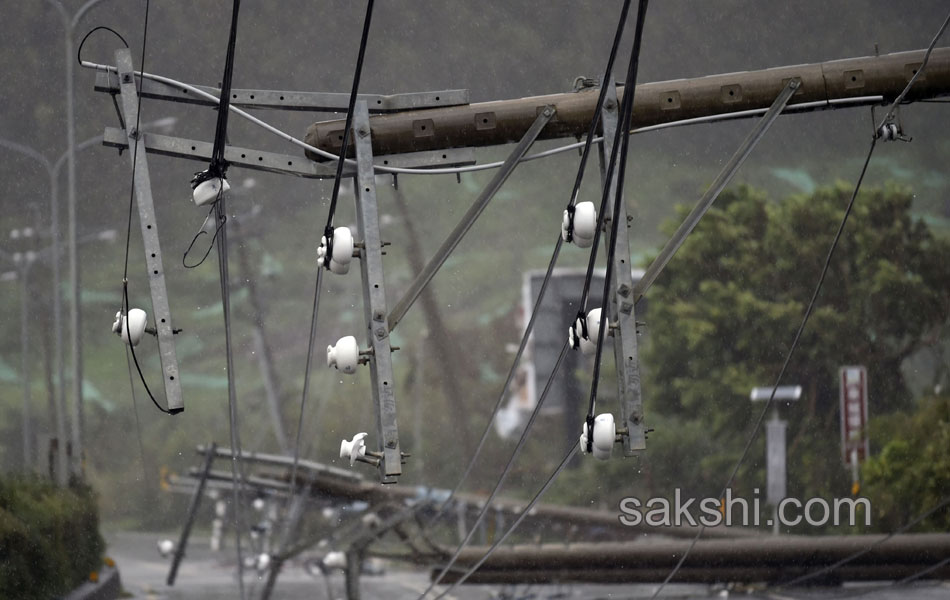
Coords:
pixel 374 301
pixel 153 251
pixel 620 309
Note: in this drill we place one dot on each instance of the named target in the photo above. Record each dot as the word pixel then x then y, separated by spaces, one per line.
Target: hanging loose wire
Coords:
pixel 591 135
pixel 808 310
pixel 123 322
pixel 329 239
pixel 521 516
pixel 623 125
pixel 818 573
pixel 511 460
pixel 328 230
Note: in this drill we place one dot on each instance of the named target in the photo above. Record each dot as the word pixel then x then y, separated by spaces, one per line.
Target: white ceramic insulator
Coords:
pixel 263 562
pixel 130 329
pixel 585 224
pixel 345 355
pixel 354 448
pixel 589 345
pixel 605 433
pixel 207 191
pixel 165 547
pixel 343 246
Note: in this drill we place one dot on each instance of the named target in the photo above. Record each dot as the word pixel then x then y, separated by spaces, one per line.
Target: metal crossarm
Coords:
pixel 374 301
pixel 153 250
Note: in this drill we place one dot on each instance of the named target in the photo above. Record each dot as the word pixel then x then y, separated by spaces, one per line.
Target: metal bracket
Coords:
pixel 474 211
pixel 109 81
pixel 621 309
pixel 374 300
pixel 273 162
pixel 153 251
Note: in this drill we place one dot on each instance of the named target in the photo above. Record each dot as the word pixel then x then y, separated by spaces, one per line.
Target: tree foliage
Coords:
pixel 725 311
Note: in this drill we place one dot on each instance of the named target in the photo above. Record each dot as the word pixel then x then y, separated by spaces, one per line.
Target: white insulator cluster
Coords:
pixel 345 355
pixel 209 190
pixel 605 433
pixel 342 251
pixel 576 332
pixel 583 227
pixel 130 328
pixel 889 132
pixel 353 449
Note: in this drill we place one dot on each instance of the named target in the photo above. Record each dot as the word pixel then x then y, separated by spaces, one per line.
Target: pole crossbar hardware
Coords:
pixel 720 183
pixel 153 250
pixel 374 301
pixel 544 116
pixel 621 312
pixel 284 164
pixel 502 121
pixel 190 516
pixel 108 81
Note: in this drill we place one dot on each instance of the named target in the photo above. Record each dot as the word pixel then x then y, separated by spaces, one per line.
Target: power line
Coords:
pixel 581 169
pixel 811 304
pixel 524 513
pixel 504 474
pixel 808 576
pixel 630 87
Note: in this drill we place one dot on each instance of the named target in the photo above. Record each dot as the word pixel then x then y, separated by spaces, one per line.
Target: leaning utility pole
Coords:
pixel 853 81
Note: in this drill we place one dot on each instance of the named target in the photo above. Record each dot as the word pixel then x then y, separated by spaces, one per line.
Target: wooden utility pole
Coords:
pixel 865 80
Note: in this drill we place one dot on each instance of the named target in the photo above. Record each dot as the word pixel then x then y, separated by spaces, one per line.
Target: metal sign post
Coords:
pixel 854 419
pixel 775 455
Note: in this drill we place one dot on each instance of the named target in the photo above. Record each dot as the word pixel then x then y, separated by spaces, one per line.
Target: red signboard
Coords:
pixel 854 413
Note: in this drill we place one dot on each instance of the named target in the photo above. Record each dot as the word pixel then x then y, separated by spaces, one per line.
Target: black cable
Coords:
pixel 811 304
pixel 788 357
pixel 623 125
pixel 306 377
pixel 128 230
pixel 521 516
pixel 218 166
pixel 202 231
pixel 504 390
pixel 505 472
pixel 605 85
pixel 944 502
pixel 328 230
pixel 110 30
pixel 233 423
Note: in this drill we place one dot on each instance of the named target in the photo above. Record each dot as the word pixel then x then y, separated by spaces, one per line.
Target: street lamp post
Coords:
pixel 69 28
pixel 52 172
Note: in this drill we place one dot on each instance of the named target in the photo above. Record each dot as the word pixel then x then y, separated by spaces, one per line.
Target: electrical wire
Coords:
pixel 233 423
pixel 124 316
pixel 306 377
pixel 808 310
pixel 551 264
pixel 328 230
pixel 788 357
pixel 727 116
pixel 623 125
pixel 504 473
pixel 524 513
pixel 808 576
pixel 138 426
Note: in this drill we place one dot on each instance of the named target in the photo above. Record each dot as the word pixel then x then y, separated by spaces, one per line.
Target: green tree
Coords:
pixel 723 314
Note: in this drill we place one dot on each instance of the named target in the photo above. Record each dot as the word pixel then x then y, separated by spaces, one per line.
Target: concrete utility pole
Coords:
pixel 866 80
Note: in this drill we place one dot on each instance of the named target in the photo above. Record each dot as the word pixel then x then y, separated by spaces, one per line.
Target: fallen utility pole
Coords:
pixel 771 559
pixel 865 80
